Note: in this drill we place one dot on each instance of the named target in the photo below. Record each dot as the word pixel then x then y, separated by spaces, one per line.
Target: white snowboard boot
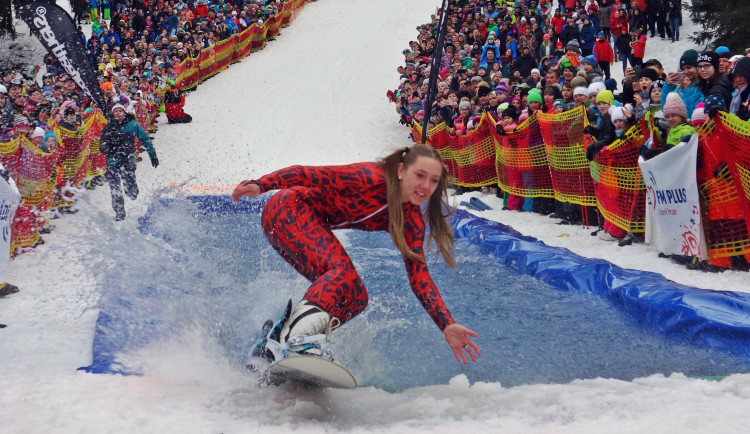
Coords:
pixel 306 321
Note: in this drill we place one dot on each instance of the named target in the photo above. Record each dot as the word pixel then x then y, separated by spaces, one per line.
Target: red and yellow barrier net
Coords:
pixel 545 157
pixel 724 187
pixel 620 190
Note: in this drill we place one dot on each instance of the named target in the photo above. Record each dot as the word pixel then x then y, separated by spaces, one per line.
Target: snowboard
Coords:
pixel 310 371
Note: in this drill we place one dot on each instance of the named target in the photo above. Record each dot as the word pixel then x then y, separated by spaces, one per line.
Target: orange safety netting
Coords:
pixel 565 144
pixel 724 187
pixel 521 161
pixel 217 57
pixel 620 190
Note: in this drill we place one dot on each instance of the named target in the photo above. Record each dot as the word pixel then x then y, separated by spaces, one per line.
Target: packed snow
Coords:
pixel 316 95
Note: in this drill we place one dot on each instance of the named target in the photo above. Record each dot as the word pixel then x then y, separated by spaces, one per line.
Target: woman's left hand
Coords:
pixel 458 337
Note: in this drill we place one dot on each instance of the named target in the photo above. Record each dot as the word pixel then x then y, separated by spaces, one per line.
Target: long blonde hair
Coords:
pixel 441 232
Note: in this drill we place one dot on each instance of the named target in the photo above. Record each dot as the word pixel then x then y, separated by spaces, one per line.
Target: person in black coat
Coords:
pixel 526 62
pixel 717 88
pixel 570 32
pixel 740 74
pixel 605 133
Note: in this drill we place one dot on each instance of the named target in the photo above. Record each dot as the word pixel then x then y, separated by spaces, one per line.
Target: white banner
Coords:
pixel 673 216
pixel 9 199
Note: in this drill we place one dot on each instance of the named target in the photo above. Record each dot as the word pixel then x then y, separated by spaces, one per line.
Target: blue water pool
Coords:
pixel 205 263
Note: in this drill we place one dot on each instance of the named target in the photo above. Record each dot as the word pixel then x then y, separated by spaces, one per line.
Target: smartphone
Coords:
pixel 682 76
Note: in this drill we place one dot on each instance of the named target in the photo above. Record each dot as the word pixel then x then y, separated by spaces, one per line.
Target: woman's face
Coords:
pixel 420 179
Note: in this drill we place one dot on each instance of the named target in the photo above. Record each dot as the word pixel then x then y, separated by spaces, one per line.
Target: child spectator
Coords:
pixel 676 114
pixel 639 50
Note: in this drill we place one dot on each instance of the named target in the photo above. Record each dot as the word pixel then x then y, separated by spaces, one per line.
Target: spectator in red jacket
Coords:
pixel 604 53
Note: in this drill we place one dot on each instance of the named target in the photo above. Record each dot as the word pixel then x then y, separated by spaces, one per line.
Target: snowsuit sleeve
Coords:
pixel 309 176
pixel 419 277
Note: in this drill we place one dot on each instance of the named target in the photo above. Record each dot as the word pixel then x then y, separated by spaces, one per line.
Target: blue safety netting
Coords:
pixel 714 319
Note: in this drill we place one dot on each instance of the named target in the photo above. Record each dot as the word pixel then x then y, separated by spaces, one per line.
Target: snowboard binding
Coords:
pixel 269 347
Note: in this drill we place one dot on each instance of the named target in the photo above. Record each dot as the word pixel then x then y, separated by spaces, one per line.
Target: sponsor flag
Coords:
pixel 57 32
pixel 435 68
pixel 673 216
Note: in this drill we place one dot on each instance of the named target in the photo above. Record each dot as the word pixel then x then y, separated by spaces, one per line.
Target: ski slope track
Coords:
pixel 315 95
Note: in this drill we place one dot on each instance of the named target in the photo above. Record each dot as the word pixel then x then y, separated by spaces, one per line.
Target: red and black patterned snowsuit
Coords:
pixel 298 221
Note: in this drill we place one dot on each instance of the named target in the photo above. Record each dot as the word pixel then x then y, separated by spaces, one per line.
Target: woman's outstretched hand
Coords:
pixel 245 188
pixel 458 337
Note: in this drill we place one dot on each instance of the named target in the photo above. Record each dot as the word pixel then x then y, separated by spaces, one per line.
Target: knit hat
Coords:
pixel 605 96
pixel 535 70
pixel 699 115
pixel 581 90
pixel 511 112
pixel 649 73
pixel 616 114
pixel 674 106
pixel 117 106
pixel 741 67
pixel 723 52
pixel 501 88
pixel 558 102
pixel 591 60
pixel 689 58
pixel 535 96
pixel 573 45
pixel 579 81
pixel 38 132
pixel 559 44
pixel 658 84
pixel 483 91
pixel 710 57
pixel 596 87
pixel 463 104
pixel 610 84
pixel 600 35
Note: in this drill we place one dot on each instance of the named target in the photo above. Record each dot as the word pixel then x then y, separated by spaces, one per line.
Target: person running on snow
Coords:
pixel 117 143
pixel 385 196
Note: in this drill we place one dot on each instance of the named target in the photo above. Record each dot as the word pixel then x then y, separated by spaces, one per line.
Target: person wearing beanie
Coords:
pixel 604 133
pixel 716 87
pixel 740 74
pixel 117 143
pixel 461 122
pixel 698 118
pixel 592 70
pixel 587 36
pixel 37 136
pixel 685 84
pixel 49 143
pixel 724 56
pixel 622 119
pixel 604 53
pixel 594 89
pixel 573 53
pixel 559 105
pixel 676 114
pixel 502 91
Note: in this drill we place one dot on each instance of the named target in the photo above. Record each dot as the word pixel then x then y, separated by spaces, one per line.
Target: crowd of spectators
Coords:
pixel 136 47
pixel 510 59
pixel 137 52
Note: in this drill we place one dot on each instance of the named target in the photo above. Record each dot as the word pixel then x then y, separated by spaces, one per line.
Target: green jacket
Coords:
pixel 677 133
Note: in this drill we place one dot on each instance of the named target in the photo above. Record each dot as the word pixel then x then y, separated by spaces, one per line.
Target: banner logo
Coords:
pixel 56 48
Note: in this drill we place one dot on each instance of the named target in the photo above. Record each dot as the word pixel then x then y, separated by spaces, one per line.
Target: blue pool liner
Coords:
pixel 713 319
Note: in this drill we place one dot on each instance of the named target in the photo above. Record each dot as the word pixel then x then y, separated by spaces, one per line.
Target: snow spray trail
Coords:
pixel 201 275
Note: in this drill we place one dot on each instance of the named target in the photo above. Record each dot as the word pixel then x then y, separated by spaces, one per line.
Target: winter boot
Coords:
pixel 298 332
pixel 306 328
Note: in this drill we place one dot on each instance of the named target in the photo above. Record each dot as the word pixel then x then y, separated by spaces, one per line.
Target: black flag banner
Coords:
pixel 57 32
pixel 435 68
